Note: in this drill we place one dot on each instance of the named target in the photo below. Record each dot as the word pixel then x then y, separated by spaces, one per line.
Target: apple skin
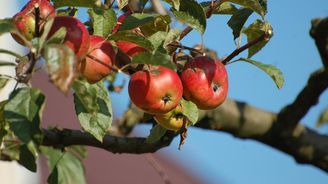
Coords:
pixel 103 51
pixel 205 82
pixel 172 120
pixel 25 19
pixel 77 37
pixel 129 48
pixel 155 91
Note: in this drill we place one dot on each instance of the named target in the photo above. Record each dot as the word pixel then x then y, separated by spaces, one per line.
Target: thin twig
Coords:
pixel 246 46
pixel 186 48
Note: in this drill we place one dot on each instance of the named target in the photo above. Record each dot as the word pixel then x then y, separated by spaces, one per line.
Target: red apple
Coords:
pixel 156 91
pixel 77 37
pixel 99 61
pixel 129 48
pixel 25 19
pixel 172 120
pixel 205 82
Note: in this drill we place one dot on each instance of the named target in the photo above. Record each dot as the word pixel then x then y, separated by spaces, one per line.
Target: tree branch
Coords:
pixel 115 144
pixel 319 33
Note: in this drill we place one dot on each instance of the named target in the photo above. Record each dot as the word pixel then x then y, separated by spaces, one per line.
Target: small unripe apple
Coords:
pixel 205 82
pixel 98 63
pixel 77 37
pixel 25 19
pixel 156 91
pixel 172 120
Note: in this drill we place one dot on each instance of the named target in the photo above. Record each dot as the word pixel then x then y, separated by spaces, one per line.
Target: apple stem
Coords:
pixel 237 51
pixel 183 132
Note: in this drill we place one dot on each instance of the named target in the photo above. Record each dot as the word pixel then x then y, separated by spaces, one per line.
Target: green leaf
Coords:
pixel 224 8
pixel 323 118
pixel 136 20
pixel 191 13
pixel 157 41
pixel 58 37
pixel 26 158
pixel 143 3
pixel 78 3
pixel 254 31
pixel 174 3
pixel 271 70
pixel 23 114
pixel 65 167
pixel 103 21
pixel 3 82
pixel 156 133
pixel 61 63
pixel 237 21
pixel 122 3
pixel 78 151
pixel 157 58
pixel 172 36
pixel 6 26
pixel 251 4
pixel 159 23
pixel 132 37
pixel 93 108
pixel 69 11
pixel 3 124
pixel 190 110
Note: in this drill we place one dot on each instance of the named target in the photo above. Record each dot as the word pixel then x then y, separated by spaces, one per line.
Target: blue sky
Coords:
pixel 219 157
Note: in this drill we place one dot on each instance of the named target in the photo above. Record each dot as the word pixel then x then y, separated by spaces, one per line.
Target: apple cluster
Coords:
pixel 157 90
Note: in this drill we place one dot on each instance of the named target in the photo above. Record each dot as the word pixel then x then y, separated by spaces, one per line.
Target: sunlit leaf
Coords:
pixel 65 167
pixel 6 26
pixel 224 8
pixel 190 110
pixel 191 13
pixel 23 114
pixel 159 23
pixel 157 58
pixel 271 70
pixel 132 37
pixel 156 133
pixel 122 3
pixel 103 21
pixel 254 31
pixel 61 67
pixel 251 4
pixel 93 108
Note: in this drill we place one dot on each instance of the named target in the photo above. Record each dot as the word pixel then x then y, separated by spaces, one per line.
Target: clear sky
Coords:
pixel 219 157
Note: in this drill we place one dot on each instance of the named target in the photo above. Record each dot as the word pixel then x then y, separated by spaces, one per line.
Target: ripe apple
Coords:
pixel 25 19
pixel 77 37
pixel 172 120
pixel 129 48
pixel 205 82
pixel 99 61
pixel 156 91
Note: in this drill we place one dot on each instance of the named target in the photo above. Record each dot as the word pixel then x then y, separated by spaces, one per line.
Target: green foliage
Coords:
pixel 93 108
pixel 6 26
pixel 237 21
pixel 65 167
pixel 271 70
pixel 254 31
pixel 77 3
pixel 156 133
pixel 190 110
pixel 69 11
pixel 157 58
pixel 3 82
pixel 251 4
pixel 3 124
pixel 323 118
pixel 132 37
pixel 122 3
pixel 103 21
pixel 61 63
pixel 224 8
pixel 136 20
pixel 26 158
pixel 191 13
pixel 23 113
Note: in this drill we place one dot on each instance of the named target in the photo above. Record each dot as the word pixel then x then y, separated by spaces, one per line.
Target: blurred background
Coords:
pixel 211 157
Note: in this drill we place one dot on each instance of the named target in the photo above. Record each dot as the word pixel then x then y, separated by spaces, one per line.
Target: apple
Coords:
pixel 205 82
pixel 172 120
pixel 99 61
pixel 156 90
pixel 77 37
pixel 128 48
pixel 25 19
